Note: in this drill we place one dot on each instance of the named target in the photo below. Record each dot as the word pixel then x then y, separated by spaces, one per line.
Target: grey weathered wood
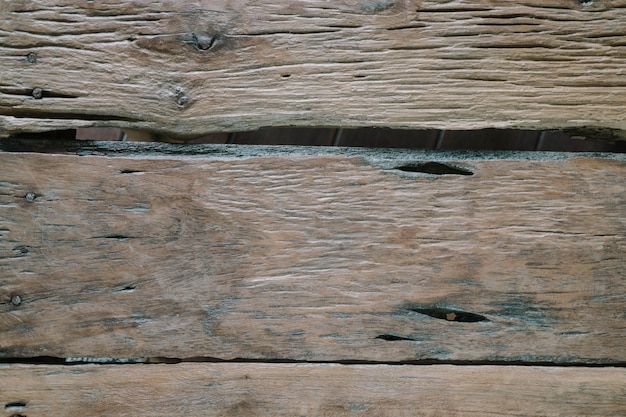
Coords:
pixel 189 68
pixel 311 254
pixel 202 389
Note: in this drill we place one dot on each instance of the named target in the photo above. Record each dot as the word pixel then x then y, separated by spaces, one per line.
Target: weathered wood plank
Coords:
pixel 312 254
pixel 203 389
pixel 188 68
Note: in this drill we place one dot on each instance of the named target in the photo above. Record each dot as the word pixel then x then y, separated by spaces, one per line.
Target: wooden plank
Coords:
pixel 188 68
pixel 204 389
pixel 312 254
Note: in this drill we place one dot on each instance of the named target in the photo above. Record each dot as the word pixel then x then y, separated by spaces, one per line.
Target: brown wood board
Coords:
pixel 188 68
pixel 309 254
pixel 201 389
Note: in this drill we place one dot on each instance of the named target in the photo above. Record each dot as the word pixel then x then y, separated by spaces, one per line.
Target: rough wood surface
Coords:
pixel 203 389
pixel 188 68
pixel 312 256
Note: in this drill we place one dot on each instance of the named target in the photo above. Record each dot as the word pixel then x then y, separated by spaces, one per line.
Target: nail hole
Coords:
pixel 181 97
pixel 392 337
pixel 30 196
pixel 15 406
pixel 435 168
pixel 130 171
pixel 450 315
pixel 285 75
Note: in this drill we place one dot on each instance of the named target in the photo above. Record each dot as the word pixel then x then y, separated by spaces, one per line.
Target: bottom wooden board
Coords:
pixel 242 389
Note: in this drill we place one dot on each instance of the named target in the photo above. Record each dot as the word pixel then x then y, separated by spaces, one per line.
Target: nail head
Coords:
pixel 23 249
pixel 16 300
pixel 30 196
pixel 181 97
pixel 37 93
pixel 32 57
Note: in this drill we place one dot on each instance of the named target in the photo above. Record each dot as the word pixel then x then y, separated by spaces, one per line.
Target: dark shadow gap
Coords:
pixel 571 140
pixel 49 360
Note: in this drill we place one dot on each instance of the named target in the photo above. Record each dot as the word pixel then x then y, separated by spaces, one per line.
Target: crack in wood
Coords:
pixel 449 314
pixel 434 168
pixel 393 338
pixel 60 115
pixel 15 406
pixel 36 92
pixel 72 361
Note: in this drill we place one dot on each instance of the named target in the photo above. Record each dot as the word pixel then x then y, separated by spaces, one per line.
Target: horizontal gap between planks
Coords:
pixel 243 151
pixel 50 360
pixel 567 140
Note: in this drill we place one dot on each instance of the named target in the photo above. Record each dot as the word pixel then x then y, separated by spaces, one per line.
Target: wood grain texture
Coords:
pixel 312 256
pixel 189 68
pixel 202 389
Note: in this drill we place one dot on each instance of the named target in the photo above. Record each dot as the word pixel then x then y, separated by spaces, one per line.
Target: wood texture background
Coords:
pixel 306 254
pixel 188 68
pixel 311 390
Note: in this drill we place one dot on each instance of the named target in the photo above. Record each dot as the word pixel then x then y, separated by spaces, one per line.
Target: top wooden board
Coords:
pixel 187 68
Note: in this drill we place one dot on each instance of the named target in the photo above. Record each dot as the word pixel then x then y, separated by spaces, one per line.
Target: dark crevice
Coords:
pixel 63 142
pixel 449 315
pixel 434 168
pixel 113 236
pixel 117 237
pixel 33 114
pixel 36 92
pixel 393 337
pixel 48 360
pixel 125 288
pixel 130 171
pixel 15 406
pixel 453 10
